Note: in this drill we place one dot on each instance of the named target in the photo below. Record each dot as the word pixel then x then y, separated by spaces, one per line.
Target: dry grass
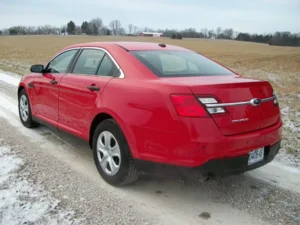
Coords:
pixel 279 65
pixel 17 53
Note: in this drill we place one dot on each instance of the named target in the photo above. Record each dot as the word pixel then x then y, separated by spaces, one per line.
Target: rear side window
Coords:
pixel 88 61
pixel 166 63
pixel 107 67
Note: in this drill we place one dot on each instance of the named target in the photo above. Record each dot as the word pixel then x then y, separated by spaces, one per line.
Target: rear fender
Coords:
pixel 124 127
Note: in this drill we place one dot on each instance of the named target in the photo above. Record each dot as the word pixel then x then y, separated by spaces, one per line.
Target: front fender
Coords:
pixel 25 83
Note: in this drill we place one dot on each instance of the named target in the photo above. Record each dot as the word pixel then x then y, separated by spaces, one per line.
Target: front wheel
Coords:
pixel 25 110
pixel 112 155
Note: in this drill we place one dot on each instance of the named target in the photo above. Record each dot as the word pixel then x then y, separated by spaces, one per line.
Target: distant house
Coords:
pixel 150 34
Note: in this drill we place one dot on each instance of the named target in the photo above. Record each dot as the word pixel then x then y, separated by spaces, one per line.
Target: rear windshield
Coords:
pixel 167 63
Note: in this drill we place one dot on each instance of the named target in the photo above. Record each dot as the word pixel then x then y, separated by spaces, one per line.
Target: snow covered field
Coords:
pixel 48 180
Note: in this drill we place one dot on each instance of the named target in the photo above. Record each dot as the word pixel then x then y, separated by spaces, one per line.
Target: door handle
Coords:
pixel 94 88
pixel 53 82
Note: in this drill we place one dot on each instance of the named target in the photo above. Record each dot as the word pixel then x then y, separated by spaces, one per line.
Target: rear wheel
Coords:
pixel 112 155
pixel 25 110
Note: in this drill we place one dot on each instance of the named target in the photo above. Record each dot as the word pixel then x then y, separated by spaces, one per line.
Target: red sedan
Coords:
pixel 141 103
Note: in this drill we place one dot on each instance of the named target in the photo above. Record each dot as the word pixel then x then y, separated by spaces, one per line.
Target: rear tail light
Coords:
pixel 188 106
pixel 208 100
pixel 212 110
pixel 216 110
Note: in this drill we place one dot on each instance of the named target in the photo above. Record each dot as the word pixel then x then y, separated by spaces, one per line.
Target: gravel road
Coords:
pixel 59 172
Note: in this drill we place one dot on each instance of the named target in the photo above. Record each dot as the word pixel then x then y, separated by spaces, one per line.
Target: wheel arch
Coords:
pixel 97 119
pixel 103 115
pixel 20 88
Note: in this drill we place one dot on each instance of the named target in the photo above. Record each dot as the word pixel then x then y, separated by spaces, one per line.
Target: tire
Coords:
pixel 126 171
pixel 25 115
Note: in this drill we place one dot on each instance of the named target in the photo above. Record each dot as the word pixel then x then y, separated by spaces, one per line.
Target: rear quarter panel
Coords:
pixel 139 105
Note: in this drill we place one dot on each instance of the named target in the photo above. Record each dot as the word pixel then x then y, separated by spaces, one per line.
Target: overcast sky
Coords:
pixel 242 15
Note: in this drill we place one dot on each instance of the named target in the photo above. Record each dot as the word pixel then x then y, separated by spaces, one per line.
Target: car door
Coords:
pixel 81 89
pixel 46 87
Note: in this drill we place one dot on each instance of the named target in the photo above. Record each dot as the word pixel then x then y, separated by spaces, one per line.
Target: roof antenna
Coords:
pixel 162 45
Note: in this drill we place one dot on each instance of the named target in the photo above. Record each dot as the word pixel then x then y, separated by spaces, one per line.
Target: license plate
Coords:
pixel 256 156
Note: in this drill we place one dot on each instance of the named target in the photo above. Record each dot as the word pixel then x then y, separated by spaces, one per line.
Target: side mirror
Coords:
pixel 37 68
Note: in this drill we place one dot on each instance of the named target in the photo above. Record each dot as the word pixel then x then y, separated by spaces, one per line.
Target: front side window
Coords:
pixel 167 63
pixel 61 63
pixel 88 61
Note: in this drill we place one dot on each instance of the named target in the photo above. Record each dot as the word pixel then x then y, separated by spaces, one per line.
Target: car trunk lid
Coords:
pixel 236 96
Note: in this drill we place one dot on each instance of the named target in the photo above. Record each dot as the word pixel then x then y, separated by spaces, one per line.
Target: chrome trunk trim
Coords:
pixel 214 105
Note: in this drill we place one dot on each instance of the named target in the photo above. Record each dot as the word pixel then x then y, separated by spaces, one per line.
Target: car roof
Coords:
pixel 131 46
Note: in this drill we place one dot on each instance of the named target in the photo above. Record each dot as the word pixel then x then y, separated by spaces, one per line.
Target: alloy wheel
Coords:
pixel 109 153
pixel 24 108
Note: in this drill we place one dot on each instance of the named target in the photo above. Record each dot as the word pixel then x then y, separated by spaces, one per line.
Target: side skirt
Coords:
pixel 69 138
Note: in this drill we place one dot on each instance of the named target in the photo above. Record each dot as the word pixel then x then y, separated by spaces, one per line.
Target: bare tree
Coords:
pixel 103 30
pixel 31 30
pixel 121 31
pixel 218 32
pixel 204 32
pixel 78 30
pixel 135 29
pixel 95 25
pixel 57 30
pixel 63 29
pixel 228 33
pixel 130 28
pixel 211 33
pixel 146 29
pixel 115 26
pixel 235 34
pixel 48 29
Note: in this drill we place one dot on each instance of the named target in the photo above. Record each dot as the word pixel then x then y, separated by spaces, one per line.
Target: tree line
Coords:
pixel 97 27
pixel 93 27
pixel 277 38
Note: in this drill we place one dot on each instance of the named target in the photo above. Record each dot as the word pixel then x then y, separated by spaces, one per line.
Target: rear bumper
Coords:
pixel 212 168
pixel 238 164
pixel 200 142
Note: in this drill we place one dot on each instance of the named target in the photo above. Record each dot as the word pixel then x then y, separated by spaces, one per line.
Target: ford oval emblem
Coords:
pixel 255 101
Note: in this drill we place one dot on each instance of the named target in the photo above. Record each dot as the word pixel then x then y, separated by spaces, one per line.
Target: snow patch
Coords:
pixel 6 102
pixel 285 110
pixel 21 202
pixel 9 164
pixel 286 168
pixel 291 125
pixel 9 79
pixel 3 151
